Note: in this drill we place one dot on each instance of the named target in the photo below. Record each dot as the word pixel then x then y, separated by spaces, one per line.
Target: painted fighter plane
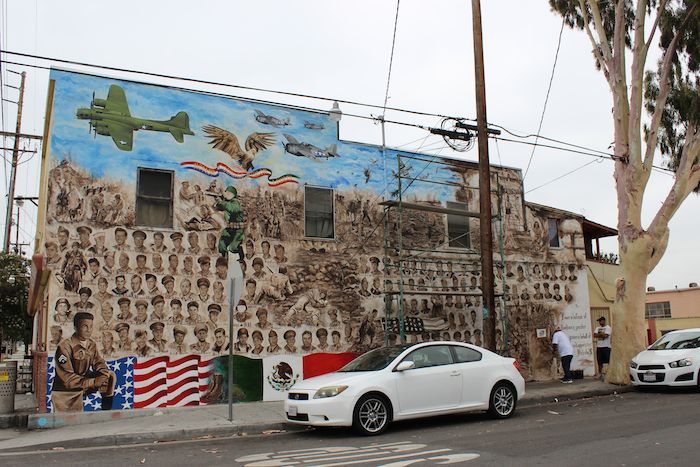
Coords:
pixel 307 150
pixel 313 126
pixel 270 120
pixel 111 117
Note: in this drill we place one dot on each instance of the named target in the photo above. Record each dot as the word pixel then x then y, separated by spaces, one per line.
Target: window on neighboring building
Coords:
pixel 154 198
pixel 458 226
pixel 318 212
pixel 657 310
pixel 553 232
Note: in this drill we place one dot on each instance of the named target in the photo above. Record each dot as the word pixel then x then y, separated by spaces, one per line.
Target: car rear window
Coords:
pixel 465 354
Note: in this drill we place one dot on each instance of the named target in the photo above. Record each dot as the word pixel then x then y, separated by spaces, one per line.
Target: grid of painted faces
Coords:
pixel 306 325
pixel 149 292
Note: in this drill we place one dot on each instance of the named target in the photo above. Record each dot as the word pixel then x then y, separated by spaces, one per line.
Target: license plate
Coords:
pixel 292 410
pixel 649 377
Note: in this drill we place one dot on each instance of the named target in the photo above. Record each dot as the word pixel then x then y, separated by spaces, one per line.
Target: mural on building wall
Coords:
pixel 139 315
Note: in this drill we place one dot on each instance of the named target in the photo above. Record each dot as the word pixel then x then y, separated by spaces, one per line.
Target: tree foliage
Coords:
pixel 14 320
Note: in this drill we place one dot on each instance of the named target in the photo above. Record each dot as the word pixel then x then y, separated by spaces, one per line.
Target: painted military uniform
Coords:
pixel 232 236
pixel 78 364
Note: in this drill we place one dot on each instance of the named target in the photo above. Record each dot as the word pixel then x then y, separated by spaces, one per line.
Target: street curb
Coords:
pixel 541 400
pixel 158 436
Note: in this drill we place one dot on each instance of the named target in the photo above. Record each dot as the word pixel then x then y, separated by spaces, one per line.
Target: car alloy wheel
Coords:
pixel 503 399
pixel 371 415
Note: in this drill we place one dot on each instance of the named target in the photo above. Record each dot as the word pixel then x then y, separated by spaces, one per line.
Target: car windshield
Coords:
pixel 677 340
pixel 374 360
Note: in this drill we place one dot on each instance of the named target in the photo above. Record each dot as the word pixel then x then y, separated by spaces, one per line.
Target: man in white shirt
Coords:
pixel 562 345
pixel 602 334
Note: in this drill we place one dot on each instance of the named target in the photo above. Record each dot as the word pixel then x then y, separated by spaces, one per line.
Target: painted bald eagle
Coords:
pixel 228 142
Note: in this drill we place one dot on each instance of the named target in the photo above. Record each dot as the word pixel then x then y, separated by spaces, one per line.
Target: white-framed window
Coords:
pixel 458 227
pixel 154 197
pixel 657 310
pixel 553 232
pixel 319 218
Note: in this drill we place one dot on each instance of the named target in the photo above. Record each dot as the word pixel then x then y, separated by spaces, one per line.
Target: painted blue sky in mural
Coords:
pixel 99 155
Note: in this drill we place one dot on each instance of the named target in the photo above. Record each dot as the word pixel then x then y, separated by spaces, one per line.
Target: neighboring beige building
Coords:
pixel 668 310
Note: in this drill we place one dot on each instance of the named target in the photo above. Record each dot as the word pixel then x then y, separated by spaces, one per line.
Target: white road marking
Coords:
pixel 404 453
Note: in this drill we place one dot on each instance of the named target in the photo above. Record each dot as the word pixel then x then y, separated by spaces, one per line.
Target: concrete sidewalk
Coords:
pixel 147 426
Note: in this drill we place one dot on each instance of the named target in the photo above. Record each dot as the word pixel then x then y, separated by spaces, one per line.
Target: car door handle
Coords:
pixel 455 373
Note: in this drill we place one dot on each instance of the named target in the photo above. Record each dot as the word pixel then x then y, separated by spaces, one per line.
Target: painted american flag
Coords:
pixel 170 382
pixel 123 368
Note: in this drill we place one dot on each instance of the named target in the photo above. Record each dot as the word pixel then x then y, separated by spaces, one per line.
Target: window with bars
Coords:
pixel 458 226
pixel 154 198
pixel 657 310
pixel 318 212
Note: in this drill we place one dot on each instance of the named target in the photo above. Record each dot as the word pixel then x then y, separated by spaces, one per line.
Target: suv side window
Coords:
pixel 433 355
pixel 465 354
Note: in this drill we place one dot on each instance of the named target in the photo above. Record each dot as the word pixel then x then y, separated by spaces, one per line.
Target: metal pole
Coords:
pixel 484 184
pixel 17 247
pixel 231 306
pixel 235 274
pixel 13 168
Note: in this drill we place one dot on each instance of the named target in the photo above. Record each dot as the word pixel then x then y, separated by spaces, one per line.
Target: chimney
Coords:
pixel 651 289
pixel 693 285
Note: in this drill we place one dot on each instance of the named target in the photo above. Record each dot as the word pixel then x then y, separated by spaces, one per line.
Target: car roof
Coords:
pixel 683 330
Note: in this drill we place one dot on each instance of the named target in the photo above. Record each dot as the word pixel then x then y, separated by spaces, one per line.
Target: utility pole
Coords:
pixel 485 215
pixel 13 169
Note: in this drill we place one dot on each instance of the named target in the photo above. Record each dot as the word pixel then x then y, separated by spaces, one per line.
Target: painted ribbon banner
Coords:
pixel 240 174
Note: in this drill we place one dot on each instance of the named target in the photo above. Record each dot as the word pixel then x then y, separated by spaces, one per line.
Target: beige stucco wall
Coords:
pixel 601 283
pixel 685 303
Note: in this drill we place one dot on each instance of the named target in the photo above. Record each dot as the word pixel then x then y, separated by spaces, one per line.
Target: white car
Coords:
pixel 407 381
pixel 673 360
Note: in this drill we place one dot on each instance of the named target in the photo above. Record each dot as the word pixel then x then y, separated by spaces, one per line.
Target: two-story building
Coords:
pixel 344 247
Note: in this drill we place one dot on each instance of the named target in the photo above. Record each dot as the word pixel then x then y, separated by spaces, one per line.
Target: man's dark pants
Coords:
pixel 566 364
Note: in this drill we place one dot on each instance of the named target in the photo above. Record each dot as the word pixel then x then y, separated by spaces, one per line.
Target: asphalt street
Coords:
pixel 657 428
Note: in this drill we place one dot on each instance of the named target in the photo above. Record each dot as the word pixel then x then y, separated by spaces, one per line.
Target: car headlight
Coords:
pixel 681 363
pixel 329 391
pixel 633 364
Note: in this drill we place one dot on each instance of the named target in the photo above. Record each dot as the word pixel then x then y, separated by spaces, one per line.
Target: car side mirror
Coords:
pixel 405 365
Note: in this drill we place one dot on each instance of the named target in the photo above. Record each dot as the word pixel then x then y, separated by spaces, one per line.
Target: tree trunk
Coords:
pixel 629 326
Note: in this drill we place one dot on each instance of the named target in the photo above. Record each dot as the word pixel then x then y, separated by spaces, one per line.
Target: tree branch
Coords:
pixel 664 90
pixel 655 26
pixel 687 179
pixel 600 29
pixel 637 81
pixel 604 66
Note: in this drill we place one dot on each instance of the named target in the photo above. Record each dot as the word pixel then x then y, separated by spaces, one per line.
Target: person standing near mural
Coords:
pixel 562 345
pixel 80 369
pixel 232 235
pixel 602 334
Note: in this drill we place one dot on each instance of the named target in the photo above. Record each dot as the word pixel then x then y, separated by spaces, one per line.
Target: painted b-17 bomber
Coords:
pixel 295 148
pixel 111 117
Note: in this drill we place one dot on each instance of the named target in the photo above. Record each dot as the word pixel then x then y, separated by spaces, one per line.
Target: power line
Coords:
pixel 215 83
pixel 599 156
pixel 391 56
pixel 597 161
pixel 546 100
pixel 260 101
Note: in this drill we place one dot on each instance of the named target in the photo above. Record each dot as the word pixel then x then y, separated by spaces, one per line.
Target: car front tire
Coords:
pixel 502 401
pixel 371 415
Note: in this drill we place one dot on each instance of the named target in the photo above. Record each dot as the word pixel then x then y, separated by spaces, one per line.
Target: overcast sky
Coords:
pixel 341 50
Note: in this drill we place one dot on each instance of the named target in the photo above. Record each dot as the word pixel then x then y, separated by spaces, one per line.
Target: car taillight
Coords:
pixel 516 365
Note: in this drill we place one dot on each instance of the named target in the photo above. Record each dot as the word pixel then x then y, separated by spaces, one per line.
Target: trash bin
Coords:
pixel 8 383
